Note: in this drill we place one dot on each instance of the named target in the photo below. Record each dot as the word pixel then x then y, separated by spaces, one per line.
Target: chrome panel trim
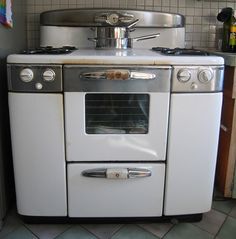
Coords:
pixel 194 85
pixel 147 79
pixel 16 84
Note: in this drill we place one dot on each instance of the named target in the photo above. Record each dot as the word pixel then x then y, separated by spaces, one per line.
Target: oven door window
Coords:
pixel 117 113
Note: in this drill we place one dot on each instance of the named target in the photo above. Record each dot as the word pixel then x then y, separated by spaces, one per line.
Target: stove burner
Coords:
pixel 50 50
pixel 180 51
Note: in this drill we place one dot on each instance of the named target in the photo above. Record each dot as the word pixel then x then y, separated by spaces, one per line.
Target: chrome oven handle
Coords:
pixel 117 173
pixel 118 74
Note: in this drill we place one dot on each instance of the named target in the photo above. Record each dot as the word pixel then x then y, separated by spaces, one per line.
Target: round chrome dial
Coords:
pixel 183 75
pixel 49 75
pixel 113 18
pixel 205 75
pixel 26 75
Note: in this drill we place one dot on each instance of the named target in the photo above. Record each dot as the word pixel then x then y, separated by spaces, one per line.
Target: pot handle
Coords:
pixel 141 38
pixel 132 23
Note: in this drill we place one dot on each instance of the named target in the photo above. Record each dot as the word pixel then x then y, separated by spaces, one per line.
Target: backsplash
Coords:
pixel 202 27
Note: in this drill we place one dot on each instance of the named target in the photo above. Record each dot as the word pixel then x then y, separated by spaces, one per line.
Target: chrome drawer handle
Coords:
pixel 118 74
pixel 117 173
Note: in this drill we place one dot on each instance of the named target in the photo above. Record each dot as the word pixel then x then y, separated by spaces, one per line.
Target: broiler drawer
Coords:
pixel 130 190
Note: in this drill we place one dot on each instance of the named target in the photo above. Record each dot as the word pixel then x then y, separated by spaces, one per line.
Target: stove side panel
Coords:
pixel 37 134
pixel 192 151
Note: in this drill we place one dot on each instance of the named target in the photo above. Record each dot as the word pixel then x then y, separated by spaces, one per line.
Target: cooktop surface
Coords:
pixel 93 56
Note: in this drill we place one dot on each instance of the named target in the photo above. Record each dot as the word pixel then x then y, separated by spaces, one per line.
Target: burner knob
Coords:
pixel 184 75
pixel 26 75
pixel 205 75
pixel 49 75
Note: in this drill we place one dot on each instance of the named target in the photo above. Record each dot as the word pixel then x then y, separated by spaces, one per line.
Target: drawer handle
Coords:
pixel 118 74
pixel 224 128
pixel 117 173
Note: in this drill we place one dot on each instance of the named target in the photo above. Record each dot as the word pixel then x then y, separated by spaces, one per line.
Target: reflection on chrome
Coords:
pixel 121 53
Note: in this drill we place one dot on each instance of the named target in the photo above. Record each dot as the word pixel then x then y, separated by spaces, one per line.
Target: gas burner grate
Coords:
pixel 180 51
pixel 50 50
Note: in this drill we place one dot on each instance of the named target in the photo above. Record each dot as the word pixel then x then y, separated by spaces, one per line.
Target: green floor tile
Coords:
pixel 102 231
pixel 211 221
pixel 76 232
pixel 133 232
pixel 233 212
pixel 228 230
pixel 224 206
pixel 20 233
pixel 187 231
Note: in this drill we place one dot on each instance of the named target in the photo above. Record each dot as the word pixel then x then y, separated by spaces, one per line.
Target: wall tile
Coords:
pixel 200 15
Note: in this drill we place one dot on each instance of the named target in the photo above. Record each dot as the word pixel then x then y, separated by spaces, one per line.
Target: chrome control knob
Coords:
pixel 183 75
pixel 205 75
pixel 26 75
pixel 49 75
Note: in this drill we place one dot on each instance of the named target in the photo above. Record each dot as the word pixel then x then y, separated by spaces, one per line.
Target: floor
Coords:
pixel 219 223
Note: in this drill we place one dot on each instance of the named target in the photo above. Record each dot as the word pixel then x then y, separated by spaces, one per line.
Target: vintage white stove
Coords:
pixel 113 133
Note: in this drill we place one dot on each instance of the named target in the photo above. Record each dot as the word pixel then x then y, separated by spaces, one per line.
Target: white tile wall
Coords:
pixel 202 27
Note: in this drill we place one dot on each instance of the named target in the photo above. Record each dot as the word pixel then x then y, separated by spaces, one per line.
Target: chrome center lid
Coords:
pixel 92 17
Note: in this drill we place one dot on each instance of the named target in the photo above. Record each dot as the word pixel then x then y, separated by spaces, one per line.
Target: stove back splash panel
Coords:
pixel 96 123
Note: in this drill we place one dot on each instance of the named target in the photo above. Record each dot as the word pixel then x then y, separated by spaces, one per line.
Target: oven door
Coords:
pixel 124 120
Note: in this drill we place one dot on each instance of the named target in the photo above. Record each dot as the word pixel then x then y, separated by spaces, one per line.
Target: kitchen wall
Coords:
pixel 202 28
pixel 11 40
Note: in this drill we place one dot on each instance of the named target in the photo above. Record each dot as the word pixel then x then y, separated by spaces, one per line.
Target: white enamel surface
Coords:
pixel 192 150
pixel 111 147
pixel 38 153
pixel 127 57
pixel 99 197
pixel 78 36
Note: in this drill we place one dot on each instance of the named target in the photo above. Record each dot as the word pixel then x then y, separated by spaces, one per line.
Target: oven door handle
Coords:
pixel 117 173
pixel 118 74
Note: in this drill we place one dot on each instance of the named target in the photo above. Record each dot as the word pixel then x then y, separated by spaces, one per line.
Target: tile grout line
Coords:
pixel 147 231
pixel 222 225
pixel 202 229
pixel 168 231
pixel 21 223
pixel 122 225
pixel 30 230
pixel 89 231
pixel 64 231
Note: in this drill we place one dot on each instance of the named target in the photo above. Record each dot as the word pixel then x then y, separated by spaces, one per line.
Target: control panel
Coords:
pixel 197 78
pixel 35 78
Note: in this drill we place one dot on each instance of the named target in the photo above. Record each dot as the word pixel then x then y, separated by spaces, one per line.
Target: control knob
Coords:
pixel 26 75
pixel 205 75
pixel 49 75
pixel 183 75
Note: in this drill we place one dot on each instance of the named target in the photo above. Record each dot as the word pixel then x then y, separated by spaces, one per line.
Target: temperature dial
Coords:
pixel 184 75
pixel 49 75
pixel 26 75
pixel 205 75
